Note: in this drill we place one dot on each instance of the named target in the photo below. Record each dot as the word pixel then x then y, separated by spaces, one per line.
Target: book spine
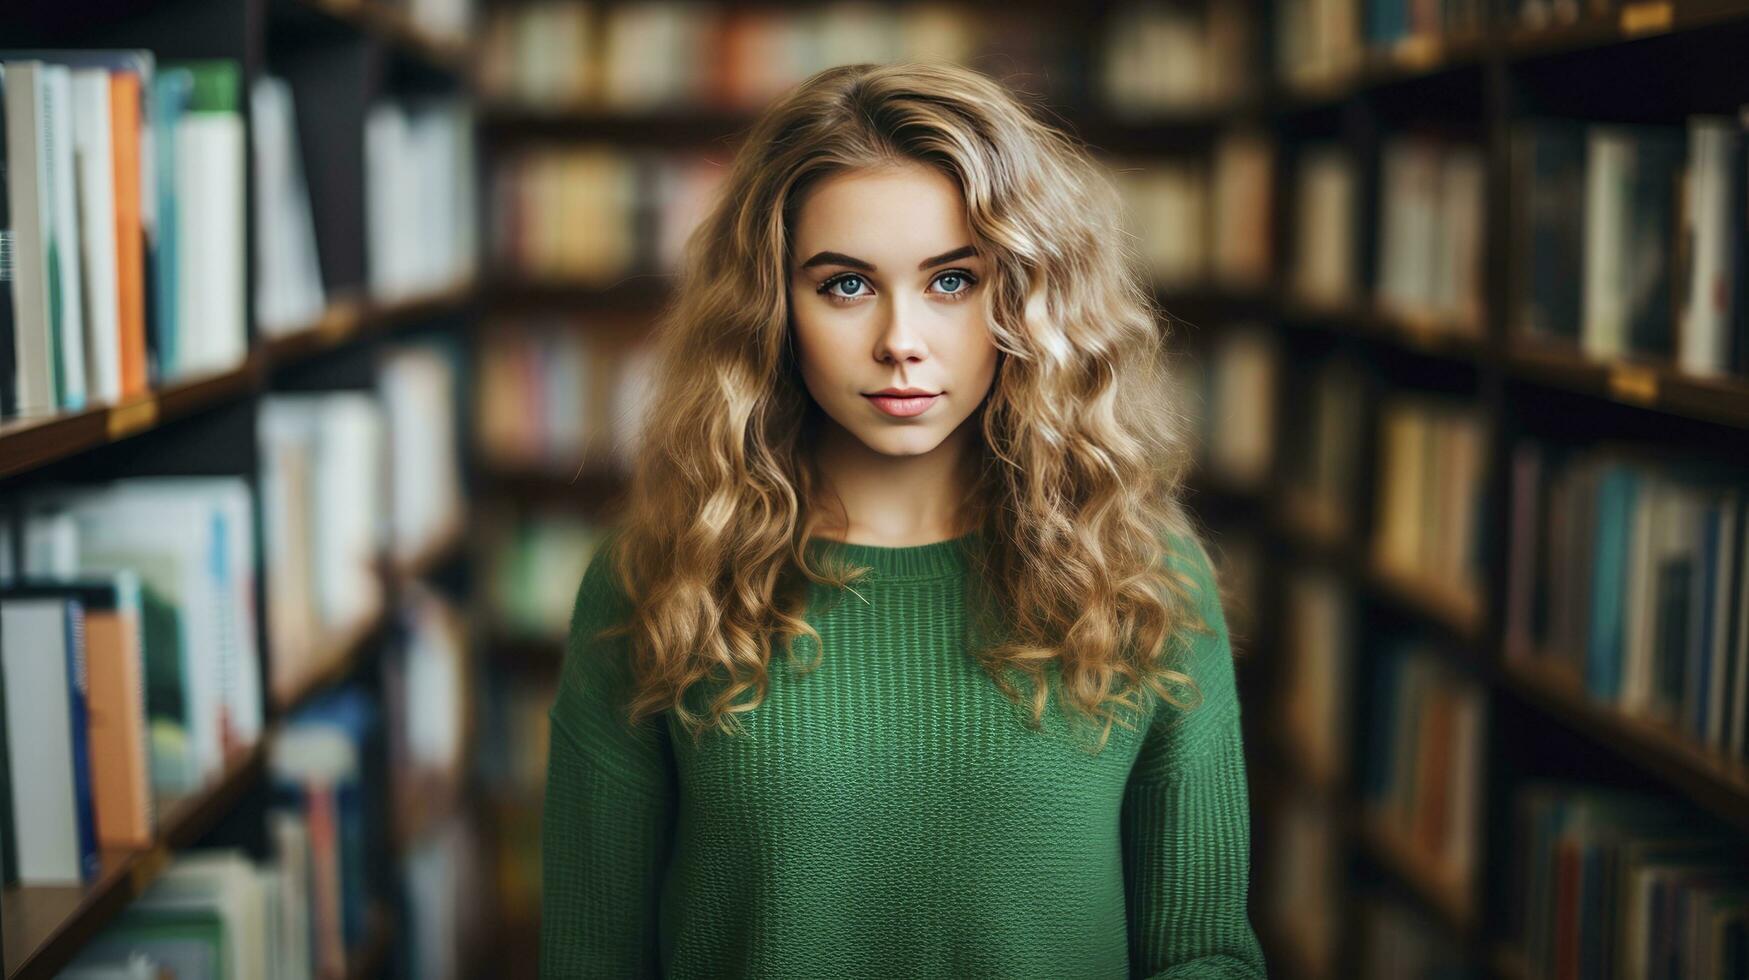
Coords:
pixel 78 686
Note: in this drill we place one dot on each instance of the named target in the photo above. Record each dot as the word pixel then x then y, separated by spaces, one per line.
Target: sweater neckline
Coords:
pixel 937 559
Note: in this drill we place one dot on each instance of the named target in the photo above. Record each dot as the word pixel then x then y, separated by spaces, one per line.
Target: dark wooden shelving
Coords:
pixel 26 445
pixel 1634 19
pixel 1710 780
pixel 350 319
pixel 45 926
pixel 1656 387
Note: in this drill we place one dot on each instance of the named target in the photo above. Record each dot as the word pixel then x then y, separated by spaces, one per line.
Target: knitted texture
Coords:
pixel 889 815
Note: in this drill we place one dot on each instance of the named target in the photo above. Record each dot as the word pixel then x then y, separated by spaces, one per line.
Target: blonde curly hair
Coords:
pixel 1077 476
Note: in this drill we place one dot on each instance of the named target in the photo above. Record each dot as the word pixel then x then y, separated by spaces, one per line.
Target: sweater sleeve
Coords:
pixel 607 819
pixel 1186 817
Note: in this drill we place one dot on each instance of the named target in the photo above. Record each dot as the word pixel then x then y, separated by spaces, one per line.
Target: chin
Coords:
pixel 914 442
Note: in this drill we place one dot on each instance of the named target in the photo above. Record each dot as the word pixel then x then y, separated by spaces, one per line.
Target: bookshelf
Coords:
pixel 1658 61
pixel 1468 89
pixel 339 59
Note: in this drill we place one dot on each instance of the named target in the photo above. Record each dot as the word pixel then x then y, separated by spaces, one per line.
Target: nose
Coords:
pixel 900 338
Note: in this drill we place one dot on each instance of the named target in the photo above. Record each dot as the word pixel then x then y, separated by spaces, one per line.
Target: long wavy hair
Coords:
pixel 1076 478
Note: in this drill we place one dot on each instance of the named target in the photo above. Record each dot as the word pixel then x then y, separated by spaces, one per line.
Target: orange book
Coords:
pixel 130 245
pixel 120 779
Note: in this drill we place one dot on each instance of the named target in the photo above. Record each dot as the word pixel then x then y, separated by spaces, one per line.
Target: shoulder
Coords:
pixel 1188 563
pixel 595 660
pixel 1200 645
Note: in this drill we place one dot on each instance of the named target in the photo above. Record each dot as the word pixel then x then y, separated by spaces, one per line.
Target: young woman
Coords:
pixel 902 659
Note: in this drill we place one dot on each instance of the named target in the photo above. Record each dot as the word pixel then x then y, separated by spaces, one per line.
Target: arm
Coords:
pixel 610 799
pixel 1186 818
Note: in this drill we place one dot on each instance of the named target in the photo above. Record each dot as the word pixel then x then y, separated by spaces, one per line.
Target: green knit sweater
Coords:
pixel 888 815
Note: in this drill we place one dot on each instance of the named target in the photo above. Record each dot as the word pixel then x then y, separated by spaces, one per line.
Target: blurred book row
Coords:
pixel 125 206
pixel 561 395
pixel 1627 572
pixel 1599 881
pixel 621 58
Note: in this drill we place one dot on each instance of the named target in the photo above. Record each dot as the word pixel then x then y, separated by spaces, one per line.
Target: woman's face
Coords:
pixel 884 294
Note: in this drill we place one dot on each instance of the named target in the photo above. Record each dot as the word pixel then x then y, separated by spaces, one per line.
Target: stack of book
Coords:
pixel 1629 241
pixel 562 397
pixel 322 482
pixel 1423 769
pixel 1325 266
pixel 124 203
pixel 654 56
pixel 1430 234
pixel 1157 58
pixel 1610 883
pixel 1428 528
pixel 593 214
pixel 1627 577
pixel 130 668
pixel 419 192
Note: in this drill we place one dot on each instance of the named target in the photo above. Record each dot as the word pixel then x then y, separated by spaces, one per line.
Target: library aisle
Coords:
pixel 323 346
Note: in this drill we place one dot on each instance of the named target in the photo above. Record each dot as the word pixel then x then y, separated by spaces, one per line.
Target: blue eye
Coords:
pixel 841 280
pixel 954 276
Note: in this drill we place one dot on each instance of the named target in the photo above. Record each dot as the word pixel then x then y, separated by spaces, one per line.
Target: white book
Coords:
pixel 288 277
pixel 1703 337
pixel 1720 653
pixel 226 882
pixel 1609 166
pixel 95 162
pixel 70 321
pixel 27 184
pixel 210 271
pixel 34 655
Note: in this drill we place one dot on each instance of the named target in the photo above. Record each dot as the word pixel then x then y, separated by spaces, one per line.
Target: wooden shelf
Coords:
pixel 1709 779
pixel 1657 387
pixel 27 445
pixel 351 318
pixel 1417 335
pixel 336 656
pixel 1413 60
pixel 332 661
pixel 46 926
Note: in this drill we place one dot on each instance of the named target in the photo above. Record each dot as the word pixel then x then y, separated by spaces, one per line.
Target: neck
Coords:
pixel 870 497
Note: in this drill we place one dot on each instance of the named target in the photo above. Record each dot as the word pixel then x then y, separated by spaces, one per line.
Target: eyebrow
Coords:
pixel 839 258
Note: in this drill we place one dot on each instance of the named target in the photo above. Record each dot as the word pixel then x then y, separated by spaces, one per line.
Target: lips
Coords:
pixel 903 406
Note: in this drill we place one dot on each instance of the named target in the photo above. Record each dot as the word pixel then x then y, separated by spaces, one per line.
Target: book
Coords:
pixel 42 660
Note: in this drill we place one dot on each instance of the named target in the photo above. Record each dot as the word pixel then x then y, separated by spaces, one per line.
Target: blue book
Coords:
pixel 171 90
pixel 1617 495
pixel 78 686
